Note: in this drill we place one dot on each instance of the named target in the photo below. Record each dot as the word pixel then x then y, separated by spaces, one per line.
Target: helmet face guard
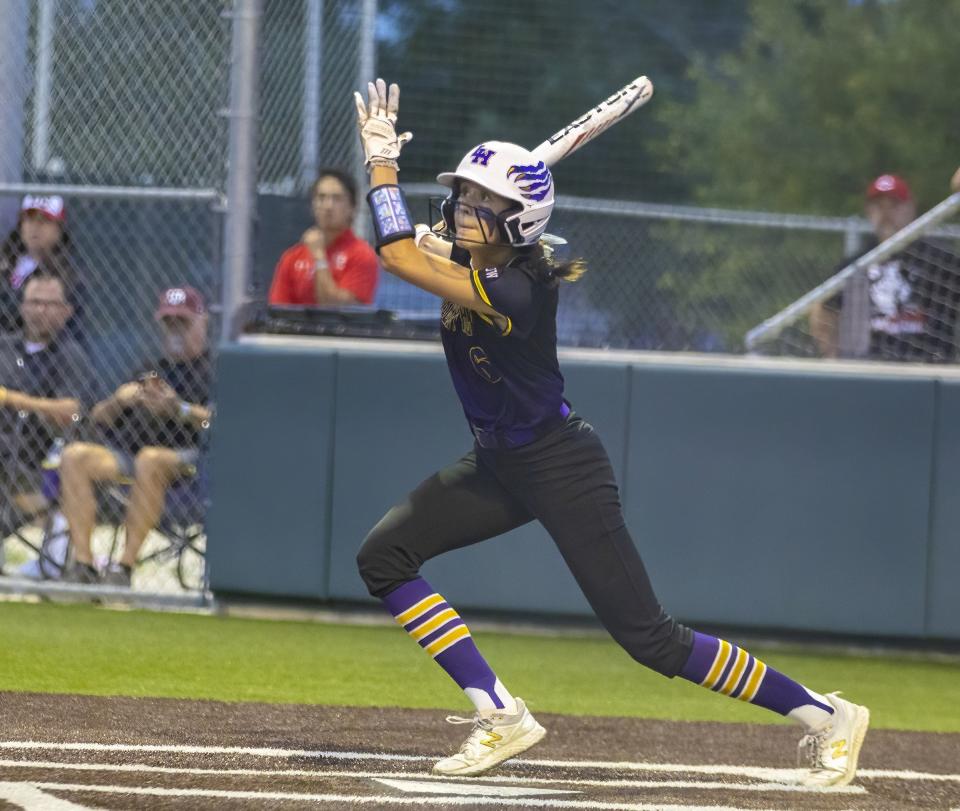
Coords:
pixel 514 173
pixel 487 221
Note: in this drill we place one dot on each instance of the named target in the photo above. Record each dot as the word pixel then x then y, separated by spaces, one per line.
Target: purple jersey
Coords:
pixel 507 377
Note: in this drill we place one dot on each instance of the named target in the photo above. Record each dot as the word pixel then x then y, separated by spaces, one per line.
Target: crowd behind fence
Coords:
pixel 130 113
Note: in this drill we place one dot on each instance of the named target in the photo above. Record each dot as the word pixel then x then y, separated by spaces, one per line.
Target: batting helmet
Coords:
pixel 512 172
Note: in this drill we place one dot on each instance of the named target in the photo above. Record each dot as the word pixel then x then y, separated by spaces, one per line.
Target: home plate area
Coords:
pixel 71 752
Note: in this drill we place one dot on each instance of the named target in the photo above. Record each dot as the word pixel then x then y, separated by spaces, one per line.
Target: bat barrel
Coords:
pixel 588 126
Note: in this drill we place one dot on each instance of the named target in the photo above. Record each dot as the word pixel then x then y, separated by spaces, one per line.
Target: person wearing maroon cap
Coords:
pixel 149 429
pixel 330 266
pixel 904 308
pixel 40 240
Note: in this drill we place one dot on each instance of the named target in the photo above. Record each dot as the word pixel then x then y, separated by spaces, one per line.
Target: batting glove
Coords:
pixel 377 122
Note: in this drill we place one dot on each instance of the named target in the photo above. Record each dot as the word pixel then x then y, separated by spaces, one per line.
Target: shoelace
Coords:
pixel 480 725
pixel 811 747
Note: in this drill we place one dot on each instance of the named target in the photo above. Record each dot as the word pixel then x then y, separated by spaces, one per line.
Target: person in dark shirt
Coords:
pixel 46 381
pixel 904 308
pixel 39 243
pixel 150 429
pixel 532 458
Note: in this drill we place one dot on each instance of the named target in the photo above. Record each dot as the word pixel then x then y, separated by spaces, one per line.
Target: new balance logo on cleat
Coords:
pixel 831 752
pixel 493 739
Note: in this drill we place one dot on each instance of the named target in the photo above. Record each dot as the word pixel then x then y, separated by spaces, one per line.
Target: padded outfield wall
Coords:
pixel 764 494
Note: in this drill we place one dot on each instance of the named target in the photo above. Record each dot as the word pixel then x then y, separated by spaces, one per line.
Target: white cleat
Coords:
pixel 831 752
pixel 494 738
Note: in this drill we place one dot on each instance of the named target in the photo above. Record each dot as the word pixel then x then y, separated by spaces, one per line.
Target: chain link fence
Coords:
pixel 897 302
pixel 112 178
pixel 126 113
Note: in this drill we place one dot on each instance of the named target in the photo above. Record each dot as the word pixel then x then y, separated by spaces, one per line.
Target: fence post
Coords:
pixel 312 75
pixel 242 163
pixel 13 95
pixel 366 72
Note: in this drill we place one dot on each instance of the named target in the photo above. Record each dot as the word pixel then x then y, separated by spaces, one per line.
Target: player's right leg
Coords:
pixel 835 727
pixel 567 482
pixel 461 505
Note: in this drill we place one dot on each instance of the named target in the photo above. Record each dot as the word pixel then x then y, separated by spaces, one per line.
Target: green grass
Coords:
pixel 82 649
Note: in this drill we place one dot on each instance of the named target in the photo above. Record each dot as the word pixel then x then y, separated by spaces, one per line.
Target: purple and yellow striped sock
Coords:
pixel 440 631
pixel 725 668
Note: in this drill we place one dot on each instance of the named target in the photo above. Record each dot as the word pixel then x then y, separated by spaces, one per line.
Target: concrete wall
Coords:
pixel 768 495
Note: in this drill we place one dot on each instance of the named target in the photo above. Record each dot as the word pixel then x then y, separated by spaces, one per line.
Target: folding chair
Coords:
pixel 17 520
pixel 181 524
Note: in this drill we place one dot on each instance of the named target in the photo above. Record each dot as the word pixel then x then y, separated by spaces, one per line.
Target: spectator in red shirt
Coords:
pixel 331 265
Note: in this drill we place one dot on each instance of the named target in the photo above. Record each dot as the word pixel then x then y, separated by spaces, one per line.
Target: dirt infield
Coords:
pixel 73 752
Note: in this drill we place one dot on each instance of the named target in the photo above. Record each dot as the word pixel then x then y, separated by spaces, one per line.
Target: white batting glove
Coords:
pixel 377 122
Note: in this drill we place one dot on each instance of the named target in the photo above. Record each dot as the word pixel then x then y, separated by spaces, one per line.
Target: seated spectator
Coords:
pixel 150 429
pixel 330 266
pixel 40 240
pixel 905 308
pixel 45 378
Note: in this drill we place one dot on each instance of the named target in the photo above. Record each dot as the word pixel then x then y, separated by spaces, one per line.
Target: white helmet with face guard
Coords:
pixel 512 172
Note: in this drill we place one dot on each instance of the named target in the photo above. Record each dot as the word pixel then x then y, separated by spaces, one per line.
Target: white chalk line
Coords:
pixel 133 768
pixel 354 799
pixel 756 772
pixel 27 796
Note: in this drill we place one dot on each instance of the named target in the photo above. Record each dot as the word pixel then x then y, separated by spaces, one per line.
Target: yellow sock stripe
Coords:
pixel 719 663
pixel 759 668
pixel 433 623
pixel 417 609
pixel 735 672
pixel 440 644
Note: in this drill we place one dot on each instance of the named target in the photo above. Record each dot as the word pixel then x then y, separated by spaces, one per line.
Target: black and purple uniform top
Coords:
pixel 507 377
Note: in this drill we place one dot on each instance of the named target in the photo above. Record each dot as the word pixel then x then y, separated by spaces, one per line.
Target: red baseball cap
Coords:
pixel 180 301
pixel 51 207
pixel 889 185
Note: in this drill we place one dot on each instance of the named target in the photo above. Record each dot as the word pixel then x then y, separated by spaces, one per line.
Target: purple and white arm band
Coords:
pixel 391 217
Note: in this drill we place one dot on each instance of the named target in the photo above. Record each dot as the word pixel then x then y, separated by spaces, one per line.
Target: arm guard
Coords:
pixel 391 217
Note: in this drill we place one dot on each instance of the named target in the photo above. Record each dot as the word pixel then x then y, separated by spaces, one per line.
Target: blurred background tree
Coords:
pixel 820 97
pixel 520 71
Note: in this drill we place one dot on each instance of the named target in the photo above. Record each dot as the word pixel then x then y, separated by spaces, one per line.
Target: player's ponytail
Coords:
pixel 541 259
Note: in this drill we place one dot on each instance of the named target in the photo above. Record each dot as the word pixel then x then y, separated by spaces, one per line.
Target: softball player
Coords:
pixel 533 458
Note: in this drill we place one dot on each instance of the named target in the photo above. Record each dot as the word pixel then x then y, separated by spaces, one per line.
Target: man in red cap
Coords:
pixel 150 428
pixel 889 205
pixel 904 308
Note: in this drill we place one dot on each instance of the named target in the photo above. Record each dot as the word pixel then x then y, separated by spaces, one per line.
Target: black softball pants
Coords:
pixel 565 481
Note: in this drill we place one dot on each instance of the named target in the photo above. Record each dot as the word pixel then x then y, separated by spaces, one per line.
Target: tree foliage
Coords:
pixel 821 97
pixel 520 71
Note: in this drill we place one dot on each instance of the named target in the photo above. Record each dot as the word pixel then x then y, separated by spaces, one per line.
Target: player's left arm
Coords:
pixel 429 271
pixel 401 257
